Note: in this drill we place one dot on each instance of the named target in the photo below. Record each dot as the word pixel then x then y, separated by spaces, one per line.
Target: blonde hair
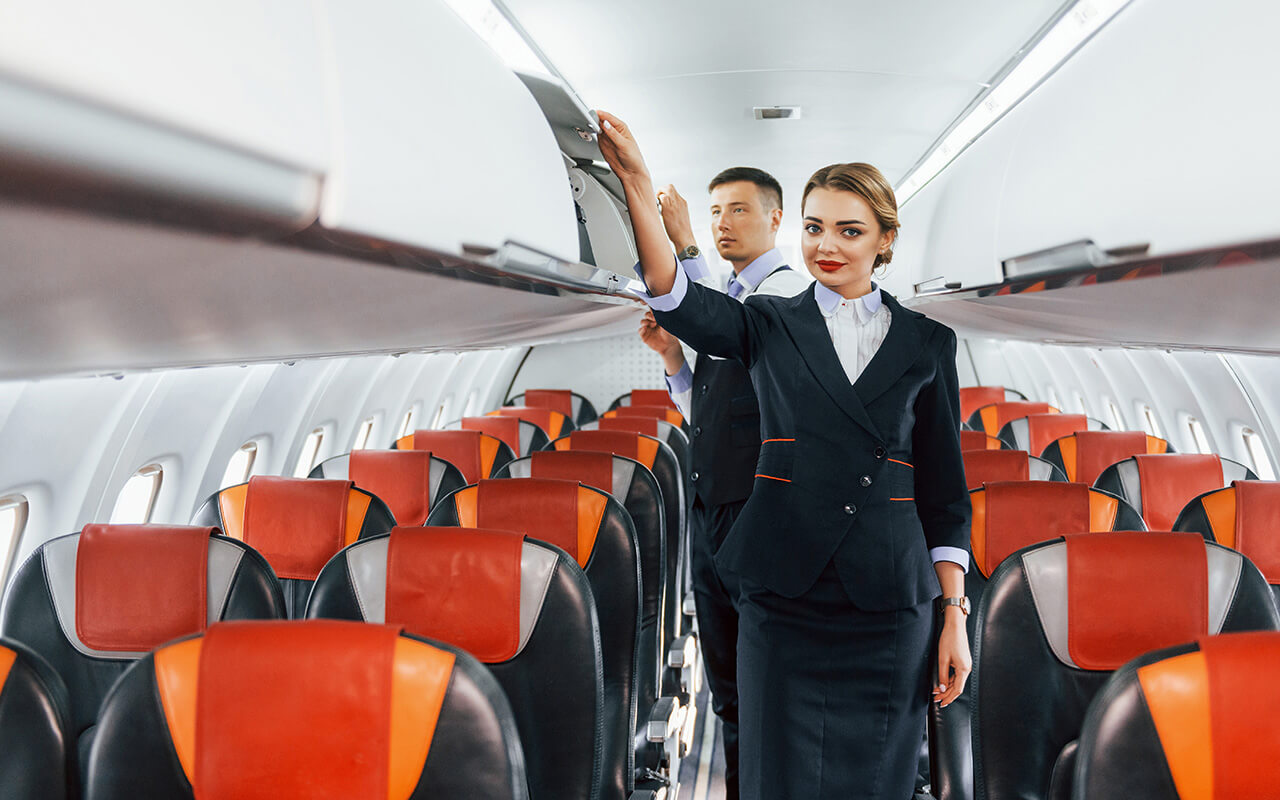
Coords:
pixel 868 183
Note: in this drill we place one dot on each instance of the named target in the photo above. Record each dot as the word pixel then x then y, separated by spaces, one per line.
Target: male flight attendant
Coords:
pixel 717 398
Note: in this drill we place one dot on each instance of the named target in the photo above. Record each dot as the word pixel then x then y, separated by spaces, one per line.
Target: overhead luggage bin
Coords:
pixel 257 710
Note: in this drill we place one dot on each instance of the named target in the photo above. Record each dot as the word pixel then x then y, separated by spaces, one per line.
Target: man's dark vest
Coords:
pixel 725 438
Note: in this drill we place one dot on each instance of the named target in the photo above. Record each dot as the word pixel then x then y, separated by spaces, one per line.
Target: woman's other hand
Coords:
pixel 954 661
pixel 619 148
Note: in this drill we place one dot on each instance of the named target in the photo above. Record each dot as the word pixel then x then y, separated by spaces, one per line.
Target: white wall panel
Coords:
pixel 240 72
pixel 1156 131
pixel 600 370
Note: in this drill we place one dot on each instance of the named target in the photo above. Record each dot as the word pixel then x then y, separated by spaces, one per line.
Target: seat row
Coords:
pixel 1061 610
pixel 287 521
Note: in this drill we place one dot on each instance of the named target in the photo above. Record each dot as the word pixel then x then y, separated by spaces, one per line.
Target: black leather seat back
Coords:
pixel 37 755
pixel 91 603
pixel 523 607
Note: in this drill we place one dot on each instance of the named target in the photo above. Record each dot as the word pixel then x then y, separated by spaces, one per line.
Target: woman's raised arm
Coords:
pixel 620 150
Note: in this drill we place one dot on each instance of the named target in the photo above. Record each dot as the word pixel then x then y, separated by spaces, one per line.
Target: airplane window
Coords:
pixel 1116 419
pixel 138 497
pixel 241 465
pixel 13 519
pixel 362 435
pixel 1081 408
pixel 1258 452
pixel 1197 435
pixel 1149 420
pixel 473 400
pixel 435 421
pixel 1051 394
pixel 310 449
pixel 410 419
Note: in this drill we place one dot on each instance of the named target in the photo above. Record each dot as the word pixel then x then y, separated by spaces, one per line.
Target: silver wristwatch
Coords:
pixel 689 252
pixel 962 602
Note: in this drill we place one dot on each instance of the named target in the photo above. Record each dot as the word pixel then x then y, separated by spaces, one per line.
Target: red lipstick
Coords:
pixel 830 266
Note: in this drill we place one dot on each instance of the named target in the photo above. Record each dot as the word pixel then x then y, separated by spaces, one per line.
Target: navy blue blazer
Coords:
pixel 868 474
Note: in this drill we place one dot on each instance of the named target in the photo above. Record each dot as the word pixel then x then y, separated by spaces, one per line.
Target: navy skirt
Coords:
pixel 831 699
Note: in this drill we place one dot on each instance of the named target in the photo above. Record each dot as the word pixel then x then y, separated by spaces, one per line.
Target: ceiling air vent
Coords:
pixel 777 112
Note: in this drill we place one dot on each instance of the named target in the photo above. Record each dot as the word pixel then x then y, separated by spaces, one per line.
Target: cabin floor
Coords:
pixel 702 771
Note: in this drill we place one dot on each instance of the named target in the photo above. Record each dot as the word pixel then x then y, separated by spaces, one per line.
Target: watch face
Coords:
pixel 691 251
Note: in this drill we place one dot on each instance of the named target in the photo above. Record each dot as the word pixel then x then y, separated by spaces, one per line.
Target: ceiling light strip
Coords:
pixel 1056 44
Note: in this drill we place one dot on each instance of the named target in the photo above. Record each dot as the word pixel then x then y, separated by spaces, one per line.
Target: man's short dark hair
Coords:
pixel 770 189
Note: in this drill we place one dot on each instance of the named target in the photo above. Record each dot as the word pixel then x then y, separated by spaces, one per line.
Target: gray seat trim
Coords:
pixel 367 566
pixel 60 555
pixel 1046 571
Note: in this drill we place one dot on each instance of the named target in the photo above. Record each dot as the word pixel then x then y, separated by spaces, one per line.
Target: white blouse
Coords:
pixel 857 326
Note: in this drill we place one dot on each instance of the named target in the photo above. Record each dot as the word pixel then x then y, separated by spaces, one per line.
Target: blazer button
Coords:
pixel 697 431
pixel 702 389
pixel 866 480
pixel 881 452
pixel 694 477
pixel 850 509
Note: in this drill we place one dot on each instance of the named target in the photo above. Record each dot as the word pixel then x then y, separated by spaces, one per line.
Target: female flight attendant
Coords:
pixel 859 510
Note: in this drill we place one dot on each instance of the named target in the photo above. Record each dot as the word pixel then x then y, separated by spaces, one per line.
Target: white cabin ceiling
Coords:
pixel 878 82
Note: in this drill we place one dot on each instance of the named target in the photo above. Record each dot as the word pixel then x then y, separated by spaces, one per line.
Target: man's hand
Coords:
pixel 662 343
pixel 675 218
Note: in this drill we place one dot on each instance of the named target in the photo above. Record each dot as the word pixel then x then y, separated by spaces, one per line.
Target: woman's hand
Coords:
pixel 954 661
pixel 619 148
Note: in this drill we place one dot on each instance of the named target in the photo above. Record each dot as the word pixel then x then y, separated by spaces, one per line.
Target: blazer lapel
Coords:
pixel 809 331
pixel 900 349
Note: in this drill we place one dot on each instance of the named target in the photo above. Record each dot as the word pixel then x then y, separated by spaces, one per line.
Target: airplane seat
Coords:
pixel 297 524
pixel 522 436
pixel 973 398
pixel 998 466
pixel 1244 516
pixel 1085 454
pixel 37 756
pixel 477 455
pixel 258 710
pixel 596 531
pixel 1035 432
pixel 665 413
pixel 93 602
pixel 1160 486
pixel 643 397
pixel 991 418
pixel 633 485
pixel 571 404
pixel 521 607
pixel 660 429
pixel 1007 517
pixel 1184 722
pixel 553 423
pixel 1059 617
pixel 977 440
pixel 408 481
pixel 660 460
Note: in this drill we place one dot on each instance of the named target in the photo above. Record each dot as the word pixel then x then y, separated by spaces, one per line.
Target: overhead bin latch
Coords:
pixel 1069 257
